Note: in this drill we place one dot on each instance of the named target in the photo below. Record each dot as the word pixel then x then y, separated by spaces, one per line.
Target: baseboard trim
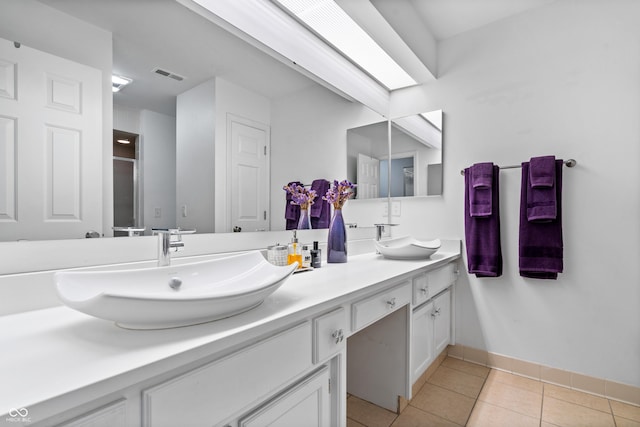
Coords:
pixel 597 386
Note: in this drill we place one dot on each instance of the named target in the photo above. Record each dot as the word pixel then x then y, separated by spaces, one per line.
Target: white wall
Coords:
pixel 126 119
pixel 158 169
pixel 195 156
pixel 309 141
pixel 565 80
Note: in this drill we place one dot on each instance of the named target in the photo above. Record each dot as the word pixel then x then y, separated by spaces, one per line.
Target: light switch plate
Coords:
pixel 395 208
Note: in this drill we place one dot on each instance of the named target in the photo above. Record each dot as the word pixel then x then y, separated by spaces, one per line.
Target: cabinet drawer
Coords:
pixel 329 333
pixel 373 308
pixel 210 394
pixel 420 289
pixel 112 415
pixel 441 278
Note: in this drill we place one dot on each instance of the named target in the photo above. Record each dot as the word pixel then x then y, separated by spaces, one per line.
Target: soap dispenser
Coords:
pixel 295 252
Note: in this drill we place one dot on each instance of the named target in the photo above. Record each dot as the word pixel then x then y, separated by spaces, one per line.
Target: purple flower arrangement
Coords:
pixel 339 193
pixel 300 195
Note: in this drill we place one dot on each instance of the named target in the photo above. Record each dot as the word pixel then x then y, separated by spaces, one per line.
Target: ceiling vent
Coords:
pixel 169 74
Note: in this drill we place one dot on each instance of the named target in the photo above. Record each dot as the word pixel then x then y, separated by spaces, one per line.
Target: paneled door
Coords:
pixel 368 177
pixel 50 146
pixel 248 200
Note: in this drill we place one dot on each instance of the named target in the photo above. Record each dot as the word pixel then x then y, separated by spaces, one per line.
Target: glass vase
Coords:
pixel 337 241
pixel 304 223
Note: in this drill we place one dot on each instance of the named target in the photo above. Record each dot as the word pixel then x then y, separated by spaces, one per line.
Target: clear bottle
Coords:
pixel 306 256
pixel 295 253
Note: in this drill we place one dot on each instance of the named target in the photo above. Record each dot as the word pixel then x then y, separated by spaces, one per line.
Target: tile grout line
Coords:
pixel 615 423
pixel 452 391
pixel 542 404
pixel 475 402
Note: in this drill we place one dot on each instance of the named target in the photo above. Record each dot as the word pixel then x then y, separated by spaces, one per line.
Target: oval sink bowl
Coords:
pixel 407 248
pixel 173 296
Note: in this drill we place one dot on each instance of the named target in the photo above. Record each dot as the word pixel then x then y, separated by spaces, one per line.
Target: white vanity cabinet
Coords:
pixel 376 326
pixel 430 333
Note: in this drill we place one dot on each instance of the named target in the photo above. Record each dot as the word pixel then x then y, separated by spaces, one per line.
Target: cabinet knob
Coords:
pixel 391 303
pixel 424 290
pixel 338 335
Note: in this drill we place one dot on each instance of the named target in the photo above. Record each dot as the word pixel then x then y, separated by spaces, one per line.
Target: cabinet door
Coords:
pixel 442 320
pixel 306 404
pixel 422 353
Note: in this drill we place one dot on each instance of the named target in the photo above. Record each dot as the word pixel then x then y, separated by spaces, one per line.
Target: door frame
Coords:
pixel 136 204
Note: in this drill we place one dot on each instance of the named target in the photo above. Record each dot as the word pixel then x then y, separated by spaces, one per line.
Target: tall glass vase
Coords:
pixel 337 241
pixel 304 223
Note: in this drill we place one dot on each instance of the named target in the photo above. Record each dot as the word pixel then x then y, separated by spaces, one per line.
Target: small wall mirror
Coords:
pixel 400 158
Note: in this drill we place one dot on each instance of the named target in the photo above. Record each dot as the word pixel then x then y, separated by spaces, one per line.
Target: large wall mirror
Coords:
pixel 397 158
pixel 306 123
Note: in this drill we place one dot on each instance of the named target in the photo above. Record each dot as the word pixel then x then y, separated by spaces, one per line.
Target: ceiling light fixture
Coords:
pixel 124 141
pixel 118 82
pixel 337 28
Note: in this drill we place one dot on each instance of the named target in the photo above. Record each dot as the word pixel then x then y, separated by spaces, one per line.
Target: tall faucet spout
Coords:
pixel 380 231
pixel 165 243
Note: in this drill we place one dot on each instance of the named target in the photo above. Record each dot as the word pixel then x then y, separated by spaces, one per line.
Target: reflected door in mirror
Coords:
pixel 50 146
pixel 249 166
pixel 368 177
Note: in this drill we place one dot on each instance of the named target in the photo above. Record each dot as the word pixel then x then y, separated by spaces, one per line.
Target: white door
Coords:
pixel 248 198
pixel 50 146
pixel 368 177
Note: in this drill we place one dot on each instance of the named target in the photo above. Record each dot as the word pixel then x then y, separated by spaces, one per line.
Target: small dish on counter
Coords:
pixel 407 248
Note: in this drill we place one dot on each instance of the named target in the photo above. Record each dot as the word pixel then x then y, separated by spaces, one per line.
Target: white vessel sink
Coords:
pixel 407 248
pixel 173 296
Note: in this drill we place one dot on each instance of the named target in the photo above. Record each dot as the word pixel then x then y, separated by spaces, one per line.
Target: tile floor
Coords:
pixel 460 393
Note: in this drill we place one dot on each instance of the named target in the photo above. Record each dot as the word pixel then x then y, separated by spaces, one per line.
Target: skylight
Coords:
pixel 337 28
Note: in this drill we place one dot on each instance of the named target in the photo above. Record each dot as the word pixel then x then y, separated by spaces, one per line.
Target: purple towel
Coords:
pixel 480 194
pixel 541 248
pixel 320 211
pixel 541 194
pixel 482 234
pixel 291 212
pixel 542 171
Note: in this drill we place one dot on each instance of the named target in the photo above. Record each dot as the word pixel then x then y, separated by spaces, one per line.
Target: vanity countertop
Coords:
pixel 51 352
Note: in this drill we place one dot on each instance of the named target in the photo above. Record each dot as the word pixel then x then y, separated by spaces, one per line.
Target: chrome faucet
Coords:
pixel 380 231
pixel 165 243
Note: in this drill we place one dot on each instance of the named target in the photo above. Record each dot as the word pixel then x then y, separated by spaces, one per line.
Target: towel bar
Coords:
pixel 568 163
